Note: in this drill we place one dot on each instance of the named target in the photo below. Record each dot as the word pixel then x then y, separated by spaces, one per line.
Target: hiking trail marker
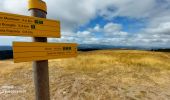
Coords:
pixel 24 51
pixel 38 51
pixel 19 25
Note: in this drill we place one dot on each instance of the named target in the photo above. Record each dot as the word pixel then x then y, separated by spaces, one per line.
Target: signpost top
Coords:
pixel 37 4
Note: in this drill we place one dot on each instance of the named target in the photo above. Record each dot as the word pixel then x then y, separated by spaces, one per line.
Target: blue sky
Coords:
pixel 112 22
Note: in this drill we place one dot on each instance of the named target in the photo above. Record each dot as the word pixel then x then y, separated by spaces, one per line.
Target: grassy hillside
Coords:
pixel 96 75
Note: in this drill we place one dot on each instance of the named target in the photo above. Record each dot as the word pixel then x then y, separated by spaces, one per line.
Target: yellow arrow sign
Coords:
pixel 18 25
pixel 25 51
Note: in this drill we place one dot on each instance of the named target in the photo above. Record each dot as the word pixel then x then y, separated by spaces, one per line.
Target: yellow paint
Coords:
pixel 37 4
pixel 27 19
pixel 28 26
pixel 27 32
pixel 25 51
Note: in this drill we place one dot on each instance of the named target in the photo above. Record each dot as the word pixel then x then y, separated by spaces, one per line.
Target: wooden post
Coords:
pixel 40 68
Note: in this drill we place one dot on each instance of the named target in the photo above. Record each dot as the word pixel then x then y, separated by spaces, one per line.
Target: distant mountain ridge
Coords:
pixel 2 48
pixel 89 47
pixel 6 52
pixel 86 47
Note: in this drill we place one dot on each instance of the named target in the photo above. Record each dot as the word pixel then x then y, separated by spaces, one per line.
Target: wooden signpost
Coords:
pixel 38 51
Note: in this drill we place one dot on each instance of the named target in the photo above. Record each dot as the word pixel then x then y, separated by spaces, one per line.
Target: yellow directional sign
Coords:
pixel 18 25
pixel 27 51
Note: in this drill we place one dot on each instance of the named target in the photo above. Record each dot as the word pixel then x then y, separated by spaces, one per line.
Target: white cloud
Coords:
pixel 109 30
pixel 15 6
pixel 112 27
pixel 97 28
pixel 130 8
pixel 8 40
pixel 84 34
pixel 75 13
pixel 163 28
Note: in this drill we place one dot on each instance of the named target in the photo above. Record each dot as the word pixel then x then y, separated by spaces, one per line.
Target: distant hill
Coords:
pixel 90 47
pixel 2 48
pixel 161 50
pixel 6 52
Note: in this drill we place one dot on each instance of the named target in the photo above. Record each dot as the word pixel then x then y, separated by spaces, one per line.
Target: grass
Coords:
pixel 99 60
pixel 97 75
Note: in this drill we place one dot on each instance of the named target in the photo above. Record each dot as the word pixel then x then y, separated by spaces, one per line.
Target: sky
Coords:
pixel 109 22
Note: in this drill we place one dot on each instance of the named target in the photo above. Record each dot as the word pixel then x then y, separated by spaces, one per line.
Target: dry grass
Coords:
pixel 97 75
